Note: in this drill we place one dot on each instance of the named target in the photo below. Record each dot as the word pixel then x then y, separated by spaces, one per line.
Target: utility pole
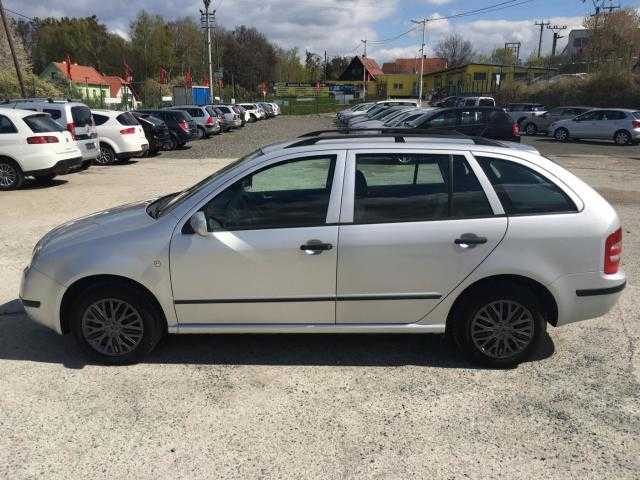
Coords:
pixel 600 6
pixel 325 66
pixel 542 26
pixel 23 90
pixel 205 17
pixel 424 29
pixel 556 36
pixel 364 71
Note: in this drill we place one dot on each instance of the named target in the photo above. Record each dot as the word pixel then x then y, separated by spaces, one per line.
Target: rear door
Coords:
pixel 413 226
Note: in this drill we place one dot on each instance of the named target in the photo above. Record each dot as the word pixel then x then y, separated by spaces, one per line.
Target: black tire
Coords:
pixel 253 118
pixel 201 134
pixel 477 322
pixel 530 129
pixel 149 324
pixel 173 142
pixel 107 155
pixel 11 176
pixel 181 144
pixel 622 137
pixel 561 134
pixel 45 179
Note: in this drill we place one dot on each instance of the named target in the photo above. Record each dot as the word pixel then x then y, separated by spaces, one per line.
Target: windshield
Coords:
pixel 169 202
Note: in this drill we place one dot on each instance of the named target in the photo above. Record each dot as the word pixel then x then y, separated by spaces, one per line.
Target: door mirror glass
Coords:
pixel 198 223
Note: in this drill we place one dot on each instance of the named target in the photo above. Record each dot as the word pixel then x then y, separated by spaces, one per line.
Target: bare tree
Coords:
pixel 455 50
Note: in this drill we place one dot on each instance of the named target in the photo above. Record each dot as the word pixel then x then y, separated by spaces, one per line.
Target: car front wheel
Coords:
pixel 107 155
pixel 500 327
pixel 561 134
pixel 115 324
pixel 531 129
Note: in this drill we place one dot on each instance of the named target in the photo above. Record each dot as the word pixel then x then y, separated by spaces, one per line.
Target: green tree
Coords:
pixel 151 46
pixel 613 39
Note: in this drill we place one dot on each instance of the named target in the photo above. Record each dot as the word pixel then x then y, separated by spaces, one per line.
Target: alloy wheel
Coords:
pixel 502 329
pixel 531 129
pixel 105 156
pixel 561 134
pixel 8 175
pixel 622 138
pixel 112 327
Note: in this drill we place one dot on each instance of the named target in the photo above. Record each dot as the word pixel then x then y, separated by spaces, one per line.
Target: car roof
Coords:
pixel 18 112
pixel 109 113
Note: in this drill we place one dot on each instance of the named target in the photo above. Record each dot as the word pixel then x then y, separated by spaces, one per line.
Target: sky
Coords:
pixel 338 26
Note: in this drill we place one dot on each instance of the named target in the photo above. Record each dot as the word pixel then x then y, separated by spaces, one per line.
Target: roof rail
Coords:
pixel 384 130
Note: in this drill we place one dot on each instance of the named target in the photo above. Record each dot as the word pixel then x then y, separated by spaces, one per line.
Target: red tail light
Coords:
pixel 221 118
pixel 210 121
pixel 42 139
pixel 515 130
pixel 635 123
pixel 128 131
pixel 184 125
pixel 71 128
pixel 612 252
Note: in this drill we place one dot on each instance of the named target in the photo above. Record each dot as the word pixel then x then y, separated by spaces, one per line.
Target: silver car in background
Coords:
pixel 541 123
pixel 331 234
pixel 617 124
pixel 205 118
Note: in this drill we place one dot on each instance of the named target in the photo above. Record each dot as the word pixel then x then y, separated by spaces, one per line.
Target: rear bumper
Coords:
pixel 141 151
pixel 60 168
pixel 586 295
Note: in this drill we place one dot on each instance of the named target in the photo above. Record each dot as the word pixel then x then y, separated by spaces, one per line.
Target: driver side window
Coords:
pixel 291 194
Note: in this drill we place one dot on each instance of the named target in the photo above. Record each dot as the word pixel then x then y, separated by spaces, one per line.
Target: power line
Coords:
pixel 18 14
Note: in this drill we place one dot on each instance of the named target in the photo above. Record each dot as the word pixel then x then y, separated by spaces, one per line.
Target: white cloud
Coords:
pixel 438 2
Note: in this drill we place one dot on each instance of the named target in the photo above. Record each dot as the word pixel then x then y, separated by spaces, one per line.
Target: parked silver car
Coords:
pixel 520 112
pixel 205 119
pixel 620 125
pixel 541 123
pixel 332 234
pixel 232 119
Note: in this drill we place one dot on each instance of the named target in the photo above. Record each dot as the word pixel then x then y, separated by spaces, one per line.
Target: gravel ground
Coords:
pixel 347 407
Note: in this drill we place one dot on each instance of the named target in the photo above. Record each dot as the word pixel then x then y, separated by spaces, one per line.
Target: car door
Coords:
pixel 472 122
pixel 271 254
pixel 413 226
pixel 612 121
pixel 585 126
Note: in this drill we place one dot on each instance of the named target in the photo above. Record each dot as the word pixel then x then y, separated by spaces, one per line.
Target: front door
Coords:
pixel 271 254
pixel 413 226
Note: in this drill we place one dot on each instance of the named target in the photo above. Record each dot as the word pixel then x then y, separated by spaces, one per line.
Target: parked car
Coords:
pixel 276 108
pixel 252 110
pixel 342 117
pixel 323 234
pixel 74 116
pixel 268 109
pixel 156 131
pixel 120 134
pixel 447 102
pixel 206 122
pixel 541 123
pixel 182 127
pixel 521 112
pixel 488 122
pixel 476 102
pixel 381 117
pixel 620 125
pixel 232 119
pixel 244 115
pixel 405 116
pixel 371 114
pixel 32 144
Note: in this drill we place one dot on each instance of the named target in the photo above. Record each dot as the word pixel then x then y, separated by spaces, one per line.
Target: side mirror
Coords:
pixel 199 224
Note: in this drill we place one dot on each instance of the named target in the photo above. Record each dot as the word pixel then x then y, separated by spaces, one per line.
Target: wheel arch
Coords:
pixel 11 160
pixel 620 130
pixel 84 283
pixel 548 302
pixel 110 143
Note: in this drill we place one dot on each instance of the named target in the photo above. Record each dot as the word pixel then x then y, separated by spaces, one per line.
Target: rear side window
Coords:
pixel 127 118
pixel 195 112
pixel 487 102
pixel 42 124
pixel 81 116
pixel 444 119
pixel 100 119
pixel 614 115
pixel 6 126
pixel 224 109
pixel 412 188
pixel 55 114
pixel 523 191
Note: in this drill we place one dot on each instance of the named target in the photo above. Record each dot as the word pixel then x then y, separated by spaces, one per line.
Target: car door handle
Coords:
pixel 470 239
pixel 314 247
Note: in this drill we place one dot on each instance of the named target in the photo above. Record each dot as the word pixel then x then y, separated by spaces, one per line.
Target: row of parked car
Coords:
pixel 44 138
pixel 479 116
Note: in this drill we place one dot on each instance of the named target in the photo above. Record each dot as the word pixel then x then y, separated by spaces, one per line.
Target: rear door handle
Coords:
pixel 314 247
pixel 470 239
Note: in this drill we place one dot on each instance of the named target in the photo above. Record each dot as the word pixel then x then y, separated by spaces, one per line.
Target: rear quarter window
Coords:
pixel 126 118
pixel 522 191
pixel 42 124
pixel 100 119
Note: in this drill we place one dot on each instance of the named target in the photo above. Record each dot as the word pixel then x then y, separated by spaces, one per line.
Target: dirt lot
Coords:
pixel 312 406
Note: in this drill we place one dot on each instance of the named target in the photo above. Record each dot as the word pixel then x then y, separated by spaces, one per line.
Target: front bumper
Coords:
pixel 60 168
pixel 39 295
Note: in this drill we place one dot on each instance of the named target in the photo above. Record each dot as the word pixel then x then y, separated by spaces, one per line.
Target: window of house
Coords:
pixel 480 76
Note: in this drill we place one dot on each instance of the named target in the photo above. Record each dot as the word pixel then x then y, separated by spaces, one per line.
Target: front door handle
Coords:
pixel 470 240
pixel 315 247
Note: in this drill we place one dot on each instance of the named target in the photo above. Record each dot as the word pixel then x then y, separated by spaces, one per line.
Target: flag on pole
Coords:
pixel 67 62
pixel 163 76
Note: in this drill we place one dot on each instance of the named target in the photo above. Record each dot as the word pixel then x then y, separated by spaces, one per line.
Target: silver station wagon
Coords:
pixel 332 233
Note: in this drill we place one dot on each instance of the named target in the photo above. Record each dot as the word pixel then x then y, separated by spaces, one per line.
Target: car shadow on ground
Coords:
pixel 22 339
pixel 33 184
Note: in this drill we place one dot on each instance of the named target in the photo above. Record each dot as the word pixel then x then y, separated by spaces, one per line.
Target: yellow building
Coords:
pixel 480 78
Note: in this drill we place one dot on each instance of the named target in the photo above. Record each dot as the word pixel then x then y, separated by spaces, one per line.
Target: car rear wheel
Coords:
pixel 11 176
pixel 173 143
pixel 530 129
pixel 201 134
pixel 115 324
pixel 622 137
pixel 500 327
pixel 107 155
pixel 561 134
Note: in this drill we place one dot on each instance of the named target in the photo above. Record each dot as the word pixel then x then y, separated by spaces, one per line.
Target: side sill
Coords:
pixel 305 328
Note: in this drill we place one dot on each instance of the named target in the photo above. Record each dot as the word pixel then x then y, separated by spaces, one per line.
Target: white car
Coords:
pixel 121 136
pixel 32 144
pixel 332 234
pixel 255 113
pixel 74 116
pixel 276 108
